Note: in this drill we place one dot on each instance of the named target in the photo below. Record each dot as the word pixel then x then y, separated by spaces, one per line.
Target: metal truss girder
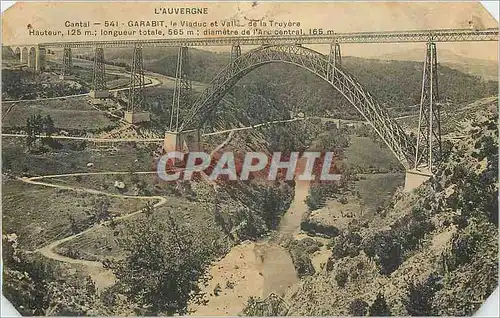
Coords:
pixel 423 36
pixel 392 134
pixel 137 81
pixel 99 71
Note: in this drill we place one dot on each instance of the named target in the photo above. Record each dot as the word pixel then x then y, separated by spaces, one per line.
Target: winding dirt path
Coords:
pixel 102 277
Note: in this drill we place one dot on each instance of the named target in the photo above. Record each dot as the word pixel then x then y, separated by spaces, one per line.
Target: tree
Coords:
pixel 315 200
pixel 270 207
pixel 420 297
pixel 272 305
pixel 35 288
pixel 302 262
pixel 100 210
pixel 358 307
pixel 379 307
pixel 37 122
pixel 341 278
pixel 35 125
pixel 48 126
pixel 73 300
pixel 386 246
pixel 30 138
pixel 346 244
pixel 163 265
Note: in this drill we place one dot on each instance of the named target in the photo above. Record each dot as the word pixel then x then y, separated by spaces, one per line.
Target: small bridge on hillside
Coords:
pixel 419 157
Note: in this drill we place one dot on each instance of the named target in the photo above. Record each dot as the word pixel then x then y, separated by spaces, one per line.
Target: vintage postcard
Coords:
pixel 249 158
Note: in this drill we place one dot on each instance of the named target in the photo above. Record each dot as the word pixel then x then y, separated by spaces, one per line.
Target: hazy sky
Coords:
pixel 491 6
pixel 337 16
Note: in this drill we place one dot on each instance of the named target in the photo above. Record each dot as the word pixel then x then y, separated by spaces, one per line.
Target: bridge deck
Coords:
pixel 440 35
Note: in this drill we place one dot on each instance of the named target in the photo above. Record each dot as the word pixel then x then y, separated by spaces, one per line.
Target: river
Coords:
pixel 255 268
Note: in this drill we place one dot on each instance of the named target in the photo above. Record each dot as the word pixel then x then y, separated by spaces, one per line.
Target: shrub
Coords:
pixel 341 278
pixel 247 225
pixel 387 248
pixel 307 245
pixel 346 244
pixel 379 307
pixel 314 228
pixel 319 192
pixel 390 246
pixel 302 262
pixel 272 305
pixel 420 297
pixel 314 201
pixel 466 243
pixel 358 307
pixel 36 288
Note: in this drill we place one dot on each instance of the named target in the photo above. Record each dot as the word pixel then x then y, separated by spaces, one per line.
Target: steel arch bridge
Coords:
pixel 322 66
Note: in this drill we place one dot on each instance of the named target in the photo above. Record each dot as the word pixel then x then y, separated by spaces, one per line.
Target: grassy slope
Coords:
pixel 69 114
pixel 103 243
pixel 365 156
pixel 47 220
pixel 15 158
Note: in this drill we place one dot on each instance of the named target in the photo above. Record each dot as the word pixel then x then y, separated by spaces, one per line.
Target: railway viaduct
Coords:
pixel 420 157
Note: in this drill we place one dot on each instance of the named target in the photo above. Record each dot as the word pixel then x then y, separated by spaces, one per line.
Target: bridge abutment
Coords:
pixel 102 93
pixel 135 117
pixel 414 178
pixel 182 141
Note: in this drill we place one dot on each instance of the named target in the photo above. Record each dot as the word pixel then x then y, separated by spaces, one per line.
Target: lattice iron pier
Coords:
pixel 67 61
pixel 99 89
pixel 428 148
pixel 334 59
pixel 183 89
pixel 137 82
pixel 136 102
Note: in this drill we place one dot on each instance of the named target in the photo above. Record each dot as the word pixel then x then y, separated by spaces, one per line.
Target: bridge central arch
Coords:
pixel 364 102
